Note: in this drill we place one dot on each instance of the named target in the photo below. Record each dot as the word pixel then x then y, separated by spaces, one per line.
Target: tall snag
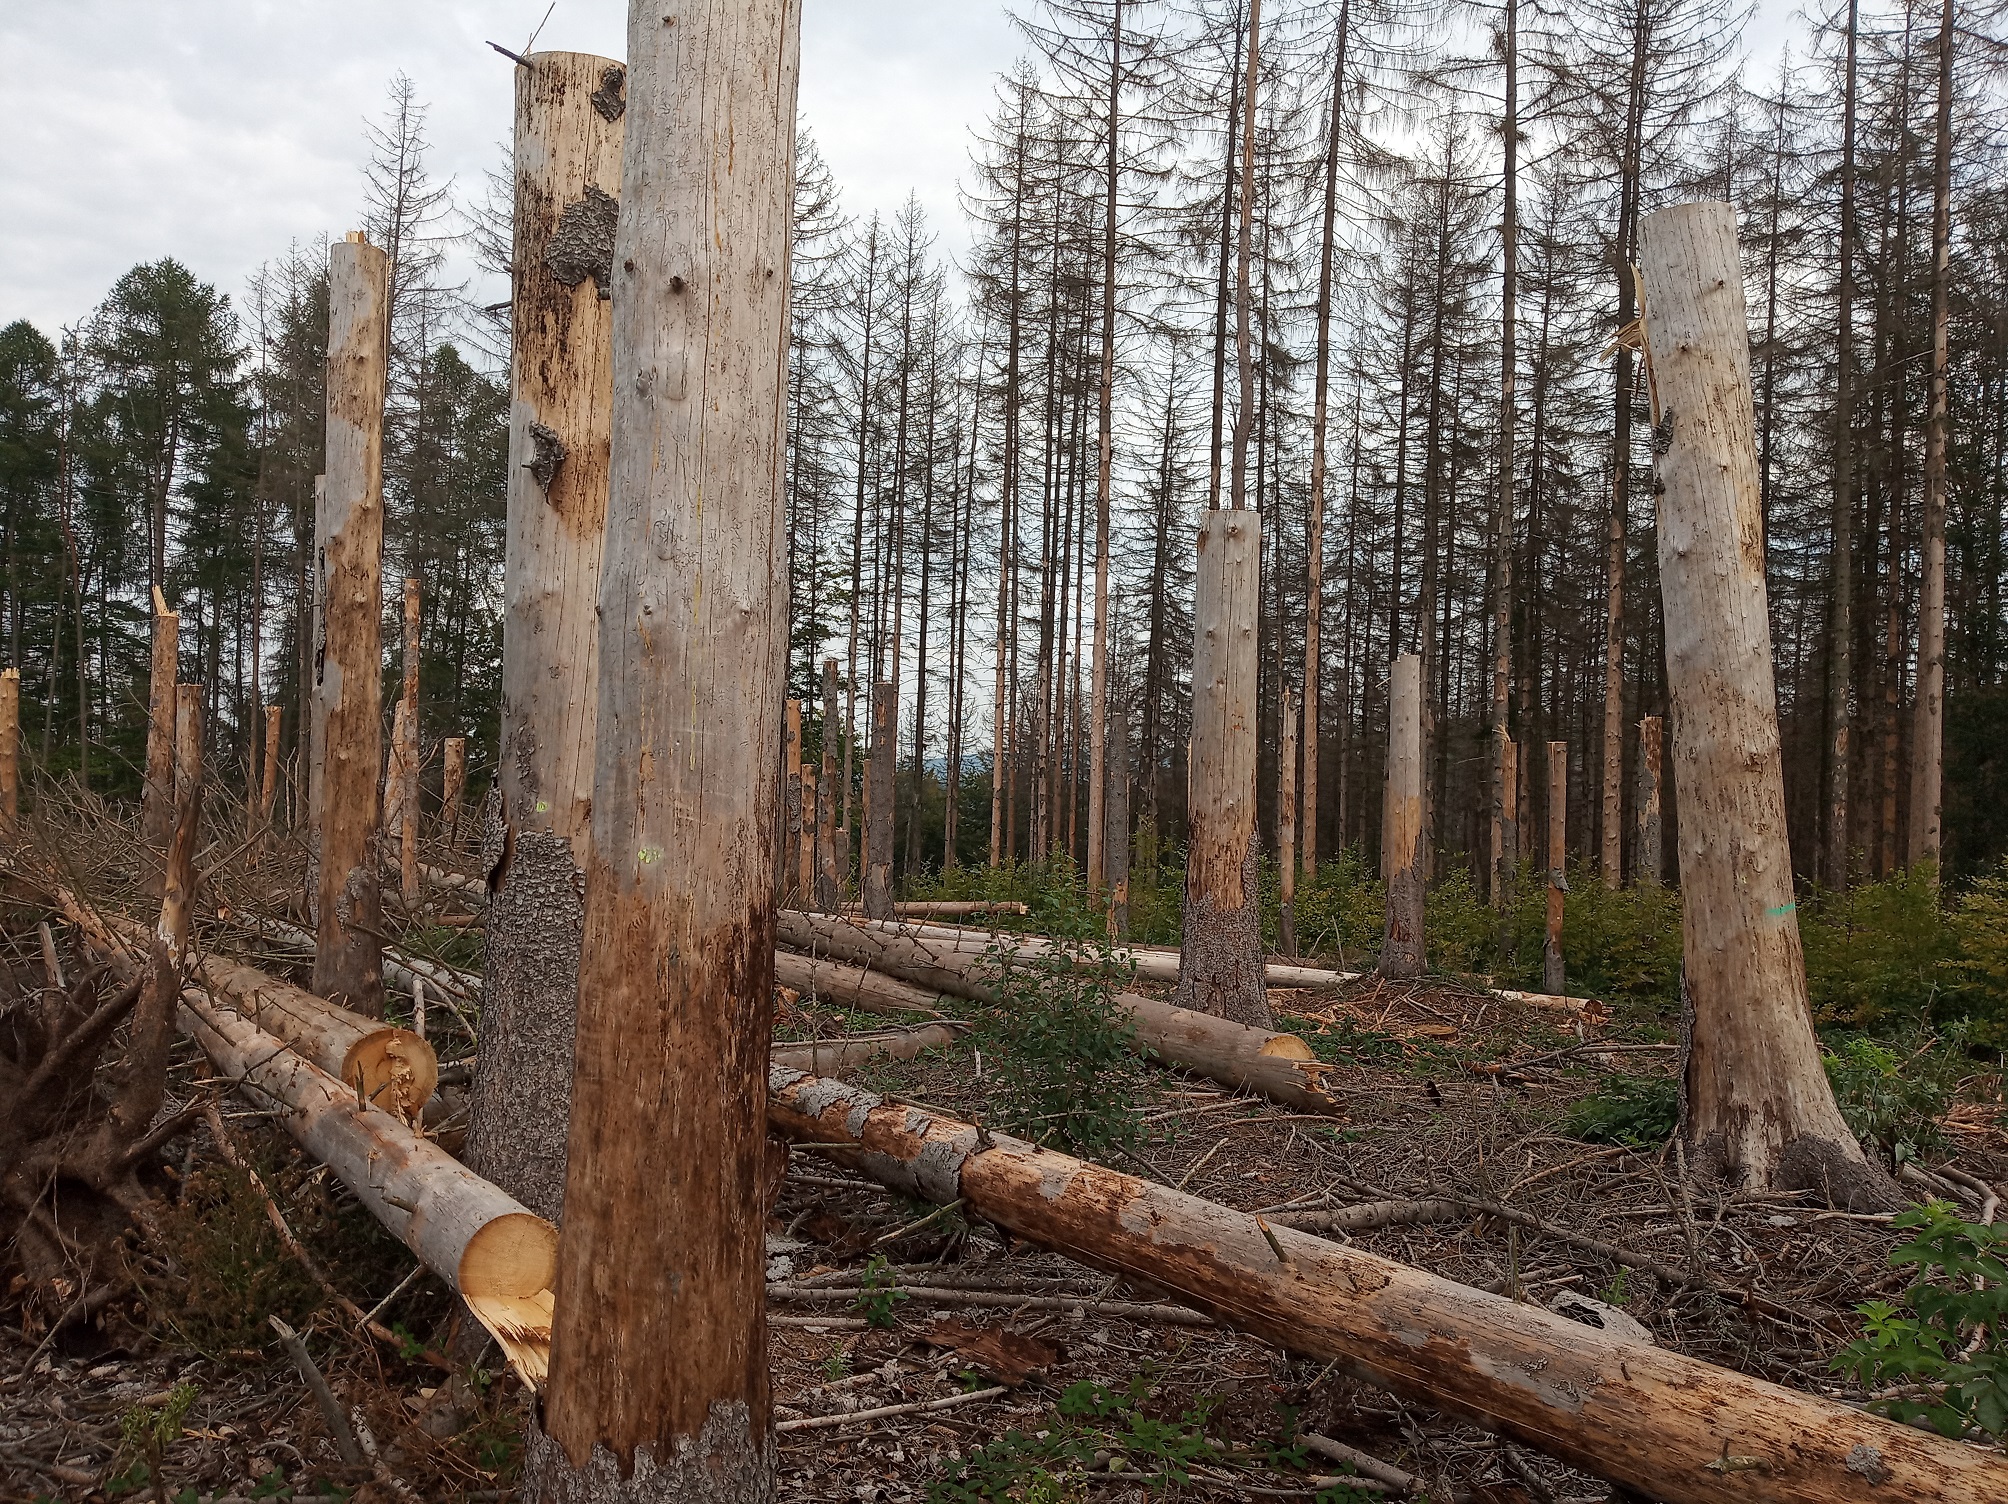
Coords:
pixel 348 688
pixel 1756 1105
pixel 568 166
pixel 659 1386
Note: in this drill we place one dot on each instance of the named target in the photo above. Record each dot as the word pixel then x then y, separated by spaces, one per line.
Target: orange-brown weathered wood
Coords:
pixel 1652 1419
pixel 452 786
pixel 567 161
pixel 1758 1104
pixel 10 750
pixel 268 788
pixel 659 1382
pixel 348 689
pixel 1223 919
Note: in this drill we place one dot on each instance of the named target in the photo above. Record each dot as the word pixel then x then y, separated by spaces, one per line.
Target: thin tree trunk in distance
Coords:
pixel 1506 818
pixel 1116 839
pixel 811 819
pixel 1502 518
pixel 348 951
pixel 268 790
pixel 1403 949
pixel 187 740
pixel 1757 1105
pixel 1651 835
pixel 881 774
pixel 1223 917
pixel 1558 865
pixel 1841 631
pixel 157 801
pixel 452 786
pixel 1098 674
pixel 1244 415
pixel 406 811
pixel 1286 829
pixel 567 160
pixel 659 1385
pixel 1927 737
pixel 835 861
pixel 791 802
pixel 10 750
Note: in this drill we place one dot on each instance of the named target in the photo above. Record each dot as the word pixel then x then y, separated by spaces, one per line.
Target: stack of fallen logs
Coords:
pixel 1668 1426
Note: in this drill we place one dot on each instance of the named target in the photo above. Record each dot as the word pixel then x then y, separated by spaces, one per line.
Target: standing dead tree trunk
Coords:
pixel 1927 737
pixel 1506 819
pixel 1286 830
pixel 1558 863
pixel 1404 952
pixel 156 820
pixel 1651 836
pixel 1756 1104
pixel 832 841
pixel 1116 836
pixel 880 772
pixel 268 791
pixel 568 173
pixel 404 737
pixel 452 785
pixel 348 953
pixel 677 965
pixel 791 804
pixel 10 750
pixel 1223 918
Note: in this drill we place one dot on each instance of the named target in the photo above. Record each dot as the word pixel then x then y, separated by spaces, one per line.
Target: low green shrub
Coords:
pixel 1893 1093
pixel 1639 1112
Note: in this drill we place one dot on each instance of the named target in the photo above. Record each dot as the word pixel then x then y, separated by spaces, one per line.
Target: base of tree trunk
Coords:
pixel 1834 1169
pixel 1222 970
pixel 724 1464
pixel 522 1094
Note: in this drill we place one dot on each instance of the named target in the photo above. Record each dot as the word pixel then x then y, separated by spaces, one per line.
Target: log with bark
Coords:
pixel 853 986
pixel 1279 1066
pixel 1667 1426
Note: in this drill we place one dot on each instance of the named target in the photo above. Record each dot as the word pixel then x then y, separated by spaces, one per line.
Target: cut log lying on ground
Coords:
pixel 399 969
pixel 1671 1427
pixel 1159 963
pixel 953 908
pixel 501 1258
pixel 1279 1066
pixel 391 1067
pixel 854 987
pixel 838 1057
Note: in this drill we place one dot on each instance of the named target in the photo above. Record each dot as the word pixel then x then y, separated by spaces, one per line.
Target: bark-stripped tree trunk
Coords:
pixel 156 821
pixel 805 850
pixel 1668 1425
pixel 10 750
pixel 567 157
pixel 187 741
pixel 676 970
pixel 1404 952
pixel 1286 830
pixel 405 749
pixel 1927 735
pixel 268 791
pixel 1650 860
pixel 880 775
pixel 452 785
pixel 1506 819
pixel 348 952
pixel 1558 864
pixel 1756 1105
pixel 791 802
pixel 1223 916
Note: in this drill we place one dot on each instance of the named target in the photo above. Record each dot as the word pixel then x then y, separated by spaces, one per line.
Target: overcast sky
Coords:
pixel 216 131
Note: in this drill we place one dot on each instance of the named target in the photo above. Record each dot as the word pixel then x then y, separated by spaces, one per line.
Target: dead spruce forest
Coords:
pixel 1347 771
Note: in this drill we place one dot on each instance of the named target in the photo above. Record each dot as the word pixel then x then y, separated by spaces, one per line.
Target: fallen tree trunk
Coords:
pixel 853 986
pixel 1279 1066
pixel 392 1068
pixel 953 908
pixel 400 970
pixel 499 1257
pixel 1159 963
pixel 837 1057
pixel 1671 1427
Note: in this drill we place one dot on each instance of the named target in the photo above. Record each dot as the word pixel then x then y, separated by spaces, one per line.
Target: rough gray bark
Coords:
pixel 534 833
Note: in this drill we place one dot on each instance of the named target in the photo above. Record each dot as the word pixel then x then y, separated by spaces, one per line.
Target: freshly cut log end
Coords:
pixel 393 1069
pixel 506 1277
